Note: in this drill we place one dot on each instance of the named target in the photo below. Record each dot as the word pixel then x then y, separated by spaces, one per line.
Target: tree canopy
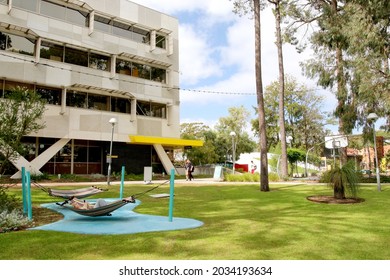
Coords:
pixel 20 115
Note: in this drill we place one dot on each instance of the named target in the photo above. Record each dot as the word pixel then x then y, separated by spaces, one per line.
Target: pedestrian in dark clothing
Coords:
pixel 189 169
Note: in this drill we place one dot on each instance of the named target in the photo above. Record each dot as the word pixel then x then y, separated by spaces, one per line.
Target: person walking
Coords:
pixel 253 167
pixel 189 169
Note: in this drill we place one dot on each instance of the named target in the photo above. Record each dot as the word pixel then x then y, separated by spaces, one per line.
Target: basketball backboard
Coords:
pixel 336 141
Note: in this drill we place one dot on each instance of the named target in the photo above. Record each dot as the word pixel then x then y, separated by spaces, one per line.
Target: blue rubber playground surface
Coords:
pixel 122 221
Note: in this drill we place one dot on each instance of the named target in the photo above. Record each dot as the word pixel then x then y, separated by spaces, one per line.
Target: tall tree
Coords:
pixel 200 155
pixel 20 115
pixel 351 45
pixel 304 119
pixel 279 43
pixel 330 65
pixel 236 122
pixel 370 56
pixel 253 6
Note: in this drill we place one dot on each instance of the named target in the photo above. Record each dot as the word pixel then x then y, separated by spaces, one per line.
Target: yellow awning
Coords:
pixel 166 141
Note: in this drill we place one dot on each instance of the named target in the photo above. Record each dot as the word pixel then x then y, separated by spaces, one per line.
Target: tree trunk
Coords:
pixel 279 44
pixel 264 183
pixel 339 192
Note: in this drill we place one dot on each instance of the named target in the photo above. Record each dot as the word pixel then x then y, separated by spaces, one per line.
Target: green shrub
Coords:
pixel 8 202
pixel 11 216
pixel 13 220
pixel 249 177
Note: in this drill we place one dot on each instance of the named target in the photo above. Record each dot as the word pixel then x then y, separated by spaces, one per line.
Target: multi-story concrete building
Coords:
pixel 109 71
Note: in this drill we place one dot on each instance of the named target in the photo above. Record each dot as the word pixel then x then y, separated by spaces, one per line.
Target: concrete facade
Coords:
pixel 105 59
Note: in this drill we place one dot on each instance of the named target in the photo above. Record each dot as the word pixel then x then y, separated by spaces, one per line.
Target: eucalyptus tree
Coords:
pixel 253 7
pixel 206 154
pixel 350 40
pixel 278 13
pixel 304 119
pixel 237 122
pixel 368 34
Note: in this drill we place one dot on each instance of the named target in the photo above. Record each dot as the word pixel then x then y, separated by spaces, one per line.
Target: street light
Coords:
pixel 373 117
pixel 233 135
pixel 289 140
pixel 112 121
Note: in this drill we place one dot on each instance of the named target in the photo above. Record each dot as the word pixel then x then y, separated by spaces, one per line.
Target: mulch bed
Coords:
pixel 332 200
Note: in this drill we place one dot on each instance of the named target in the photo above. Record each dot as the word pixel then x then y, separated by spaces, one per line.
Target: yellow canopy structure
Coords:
pixel 165 141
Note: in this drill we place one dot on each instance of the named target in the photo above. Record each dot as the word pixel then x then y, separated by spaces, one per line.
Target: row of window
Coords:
pixel 82 18
pixel 87 100
pixel 62 53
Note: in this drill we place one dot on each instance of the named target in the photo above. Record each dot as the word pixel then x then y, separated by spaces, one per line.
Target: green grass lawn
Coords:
pixel 240 223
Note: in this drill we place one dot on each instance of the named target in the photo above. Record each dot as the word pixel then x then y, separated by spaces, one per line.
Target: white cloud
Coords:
pixel 196 56
pixel 217 8
pixel 227 66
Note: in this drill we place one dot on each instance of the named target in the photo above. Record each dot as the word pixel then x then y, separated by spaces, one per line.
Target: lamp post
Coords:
pixel 307 155
pixel 373 117
pixel 289 142
pixel 112 121
pixel 233 135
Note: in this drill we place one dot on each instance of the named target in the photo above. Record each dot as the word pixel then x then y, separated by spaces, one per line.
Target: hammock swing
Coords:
pixel 104 210
pixel 78 193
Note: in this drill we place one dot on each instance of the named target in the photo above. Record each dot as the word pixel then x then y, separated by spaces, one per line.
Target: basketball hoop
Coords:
pixel 336 141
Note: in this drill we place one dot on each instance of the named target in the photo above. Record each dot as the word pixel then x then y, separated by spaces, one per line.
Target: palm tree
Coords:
pixel 343 179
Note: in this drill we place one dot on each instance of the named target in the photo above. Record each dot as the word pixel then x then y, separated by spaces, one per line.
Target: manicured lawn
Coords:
pixel 240 222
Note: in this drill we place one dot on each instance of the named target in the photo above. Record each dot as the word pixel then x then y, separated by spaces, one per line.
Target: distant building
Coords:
pixel 92 61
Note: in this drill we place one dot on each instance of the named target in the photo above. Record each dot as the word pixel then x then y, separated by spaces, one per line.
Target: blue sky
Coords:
pixel 217 55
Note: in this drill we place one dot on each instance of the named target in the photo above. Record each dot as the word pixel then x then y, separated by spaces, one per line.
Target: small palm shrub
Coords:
pixel 343 180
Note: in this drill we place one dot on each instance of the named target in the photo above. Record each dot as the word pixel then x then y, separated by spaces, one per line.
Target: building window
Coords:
pixel 1 88
pixel 151 109
pixel 76 99
pixel 98 61
pixel 158 75
pixel 53 10
pixel 17 44
pixel 102 24
pixel 11 86
pixel 77 17
pixel 31 5
pixel 52 51
pixel 77 57
pixel 122 29
pixel 141 35
pixel 51 95
pixel 98 102
pixel 123 67
pixel 141 71
pixel 158 110
pixel 120 105
pixel 160 41
pixel 64 13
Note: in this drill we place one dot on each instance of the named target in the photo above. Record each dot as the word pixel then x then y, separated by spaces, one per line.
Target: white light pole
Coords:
pixel 289 142
pixel 233 135
pixel 373 117
pixel 307 155
pixel 112 121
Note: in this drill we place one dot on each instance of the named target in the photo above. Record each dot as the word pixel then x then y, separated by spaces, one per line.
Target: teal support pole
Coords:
pixel 171 194
pixel 29 204
pixel 122 183
pixel 24 190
